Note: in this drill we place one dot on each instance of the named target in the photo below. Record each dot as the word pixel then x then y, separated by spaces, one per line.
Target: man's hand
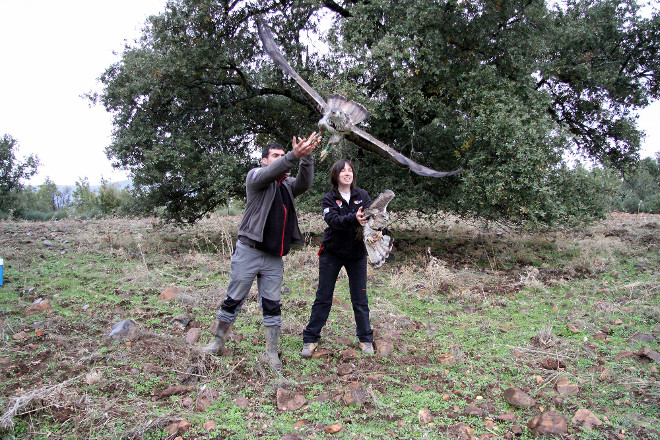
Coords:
pixel 302 147
pixel 360 217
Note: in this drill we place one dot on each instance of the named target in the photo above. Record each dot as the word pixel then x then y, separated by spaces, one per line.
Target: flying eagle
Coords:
pixel 340 115
pixel 378 245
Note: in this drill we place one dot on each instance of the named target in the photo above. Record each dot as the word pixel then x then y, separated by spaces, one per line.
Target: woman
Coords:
pixel 342 246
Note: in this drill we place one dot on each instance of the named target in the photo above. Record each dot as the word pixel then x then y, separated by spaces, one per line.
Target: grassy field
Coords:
pixel 461 314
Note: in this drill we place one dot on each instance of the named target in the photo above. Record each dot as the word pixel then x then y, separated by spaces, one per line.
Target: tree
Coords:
pixel 503 89
pixel 640 190
pixel 12 172
pixel 108 198
pixel 47 196
pixel 84 198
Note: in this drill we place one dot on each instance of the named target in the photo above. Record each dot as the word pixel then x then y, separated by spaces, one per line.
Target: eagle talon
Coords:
pixel 376 236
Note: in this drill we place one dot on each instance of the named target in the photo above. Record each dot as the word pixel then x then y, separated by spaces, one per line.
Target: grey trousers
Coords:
pixel 246 264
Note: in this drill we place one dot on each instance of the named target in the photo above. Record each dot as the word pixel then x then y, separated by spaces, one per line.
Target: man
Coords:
pixel 268 229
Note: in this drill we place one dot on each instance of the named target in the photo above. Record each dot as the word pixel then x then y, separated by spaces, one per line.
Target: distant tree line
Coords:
pixel 48 201
pixel 597 191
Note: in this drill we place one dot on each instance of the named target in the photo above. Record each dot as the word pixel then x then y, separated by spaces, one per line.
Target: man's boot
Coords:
pixel 221 331
pixel 270 356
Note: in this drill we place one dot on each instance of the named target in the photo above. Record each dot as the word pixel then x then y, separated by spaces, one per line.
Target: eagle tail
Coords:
pixel 378 246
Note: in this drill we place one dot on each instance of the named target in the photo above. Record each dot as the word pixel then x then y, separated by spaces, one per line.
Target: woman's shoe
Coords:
pixel 367 347
pixel 308 349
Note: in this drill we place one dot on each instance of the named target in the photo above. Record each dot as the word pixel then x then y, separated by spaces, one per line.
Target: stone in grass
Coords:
pixel 193 335
pixel 169 294
pixel 38 306
pixel 171 390
pixel 572 328
pixel 205 399
pixel 460 431
pixel 518 398
pixel 334 428
pixel 355 394
pixel 178 427
pixel 425 417
pixel 651 354
pixel 586 419
pixel 552 364
pixel 126 329
pixel 349 354
pixel 209 425
pixel 549 423
pixel 643 337
pixel 182 321
pixel 321 353
pixel 564 386
pixel 344 369
pixel 289 400
pixel 241 402
pixel 472 410
pixel 384 348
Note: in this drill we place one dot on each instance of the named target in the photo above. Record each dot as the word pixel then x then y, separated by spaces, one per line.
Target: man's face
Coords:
pixel 273 154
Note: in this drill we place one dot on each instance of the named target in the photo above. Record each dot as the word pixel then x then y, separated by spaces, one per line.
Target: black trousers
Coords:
pixel 329 267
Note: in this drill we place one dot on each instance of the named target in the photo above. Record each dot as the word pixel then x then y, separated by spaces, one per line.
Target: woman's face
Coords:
pixel 346 175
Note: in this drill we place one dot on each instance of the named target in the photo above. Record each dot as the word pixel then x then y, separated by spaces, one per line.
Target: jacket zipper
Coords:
pixel 286 213
pixel 283 229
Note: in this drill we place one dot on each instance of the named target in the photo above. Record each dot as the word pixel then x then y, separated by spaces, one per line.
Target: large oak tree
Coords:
pixel 504 89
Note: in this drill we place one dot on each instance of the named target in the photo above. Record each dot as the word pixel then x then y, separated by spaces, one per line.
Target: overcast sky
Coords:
pixel 52 52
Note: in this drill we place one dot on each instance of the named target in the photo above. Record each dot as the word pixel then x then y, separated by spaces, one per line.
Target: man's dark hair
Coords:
pixel 336 169
pixel 272 146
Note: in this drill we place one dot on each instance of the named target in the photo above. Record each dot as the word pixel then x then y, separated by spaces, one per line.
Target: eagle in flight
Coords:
pixel 340 115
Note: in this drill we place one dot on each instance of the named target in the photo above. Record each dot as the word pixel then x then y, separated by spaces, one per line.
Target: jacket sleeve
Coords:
pixel 333 216
pixel 258 178
pixel 305 177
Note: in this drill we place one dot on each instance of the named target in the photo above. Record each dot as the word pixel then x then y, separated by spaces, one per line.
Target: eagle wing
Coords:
pixel 378 244
pixel 379 205
pixel 367 142
pixel 271 49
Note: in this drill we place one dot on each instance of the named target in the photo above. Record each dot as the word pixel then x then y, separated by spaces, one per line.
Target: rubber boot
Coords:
pixel 270 356
pixel 221 331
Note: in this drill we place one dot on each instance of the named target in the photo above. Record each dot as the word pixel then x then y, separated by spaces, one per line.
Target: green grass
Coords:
pixel 500 304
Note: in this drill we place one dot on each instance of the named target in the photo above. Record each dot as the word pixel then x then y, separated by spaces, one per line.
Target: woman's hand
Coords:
pixel 360 217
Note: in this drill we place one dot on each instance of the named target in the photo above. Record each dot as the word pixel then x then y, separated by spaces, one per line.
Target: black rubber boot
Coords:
pixel 270 356
pixel 221 331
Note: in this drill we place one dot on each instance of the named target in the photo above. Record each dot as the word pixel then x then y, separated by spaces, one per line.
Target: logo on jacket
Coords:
pixel 357 202
pixel 339 203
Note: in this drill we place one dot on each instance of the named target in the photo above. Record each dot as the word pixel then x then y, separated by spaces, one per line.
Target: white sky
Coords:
pixel 52 52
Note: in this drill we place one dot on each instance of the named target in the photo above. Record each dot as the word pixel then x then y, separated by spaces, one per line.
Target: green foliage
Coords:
pixel 84 198
pixel 48 202
pixel 502 90
pixel 640 190
pixel 581 195
pixel 12 172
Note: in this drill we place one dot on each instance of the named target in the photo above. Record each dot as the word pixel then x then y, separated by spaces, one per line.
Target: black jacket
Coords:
pixel 343 236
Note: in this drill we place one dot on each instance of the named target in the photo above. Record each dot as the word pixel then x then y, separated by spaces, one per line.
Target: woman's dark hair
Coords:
pixel 336 169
